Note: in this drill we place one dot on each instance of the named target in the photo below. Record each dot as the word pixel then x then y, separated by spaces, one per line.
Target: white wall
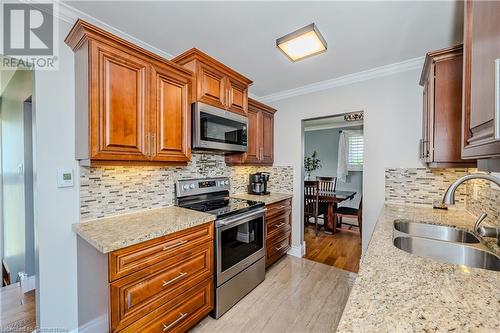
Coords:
pixel 57 207
pixel 392 127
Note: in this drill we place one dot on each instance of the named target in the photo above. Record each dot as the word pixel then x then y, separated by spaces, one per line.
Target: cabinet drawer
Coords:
pixel 278 207
pixel 277 247
pixel 136 257
pixel 136 295
pixel 181 313
pixel 278 224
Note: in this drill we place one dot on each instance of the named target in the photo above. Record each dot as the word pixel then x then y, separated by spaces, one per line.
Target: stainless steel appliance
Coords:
pixel 239 237
pixel 258 183
pixel 218 129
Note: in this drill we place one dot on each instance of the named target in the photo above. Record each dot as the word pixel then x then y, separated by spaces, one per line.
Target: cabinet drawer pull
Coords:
pixel 281 207
pixel 279 248
pixel 180 276
pixel 173 246
pixel 175 322
pixel 280 225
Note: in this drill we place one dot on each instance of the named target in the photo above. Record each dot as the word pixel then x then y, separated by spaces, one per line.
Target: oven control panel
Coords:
pixel 187 187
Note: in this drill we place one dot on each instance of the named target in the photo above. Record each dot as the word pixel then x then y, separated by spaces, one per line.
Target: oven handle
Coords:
pixel 236 220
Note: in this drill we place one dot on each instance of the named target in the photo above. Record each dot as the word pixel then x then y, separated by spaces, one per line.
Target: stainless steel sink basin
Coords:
pixel 433 231
pixel 454 253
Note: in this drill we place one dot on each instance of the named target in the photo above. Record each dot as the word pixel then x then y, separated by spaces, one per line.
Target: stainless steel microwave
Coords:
pixel 218 129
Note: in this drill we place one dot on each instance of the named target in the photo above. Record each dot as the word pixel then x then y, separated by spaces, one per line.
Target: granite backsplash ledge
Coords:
pixel 423 186
pixel 108 191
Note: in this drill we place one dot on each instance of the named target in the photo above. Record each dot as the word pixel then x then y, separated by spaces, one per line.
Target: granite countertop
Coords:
pixel 114 233
pixel 268 199
pixel 399 292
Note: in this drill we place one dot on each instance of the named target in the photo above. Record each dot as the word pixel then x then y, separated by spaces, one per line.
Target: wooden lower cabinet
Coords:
pixel 161 285
pixel 278 230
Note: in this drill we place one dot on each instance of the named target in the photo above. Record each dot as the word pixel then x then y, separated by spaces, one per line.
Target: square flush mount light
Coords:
pixel 302 43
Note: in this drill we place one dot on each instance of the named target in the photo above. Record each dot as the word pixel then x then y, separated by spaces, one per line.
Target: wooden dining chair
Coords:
pixel 350 212
pixel 311 203
pixel 327 184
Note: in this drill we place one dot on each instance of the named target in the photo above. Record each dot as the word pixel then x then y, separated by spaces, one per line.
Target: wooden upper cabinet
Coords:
pixel 442 109
pixel 211 87
pixel 216 84
pixel 119 122
pixel 481 131
pixel 254 137
pixel 237 96
pixel 260 149
pixel 267 137
pixel 131 104
pixel 171 116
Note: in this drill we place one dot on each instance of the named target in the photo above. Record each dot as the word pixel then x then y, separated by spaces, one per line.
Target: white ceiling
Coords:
pixel 360 35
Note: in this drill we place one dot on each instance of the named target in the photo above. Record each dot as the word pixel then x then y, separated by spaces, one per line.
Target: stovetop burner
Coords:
pixel 211 195
pixel 222 207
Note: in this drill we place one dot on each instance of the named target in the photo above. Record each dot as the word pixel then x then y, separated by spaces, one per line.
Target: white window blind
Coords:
pixel 355 152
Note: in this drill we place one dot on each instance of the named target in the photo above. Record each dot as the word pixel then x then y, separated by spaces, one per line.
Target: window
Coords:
pixel 355 152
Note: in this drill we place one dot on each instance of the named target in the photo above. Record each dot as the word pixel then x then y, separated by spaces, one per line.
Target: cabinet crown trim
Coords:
pixel 82 30
pixel 195 54
pixel 261 106
pixel 431 56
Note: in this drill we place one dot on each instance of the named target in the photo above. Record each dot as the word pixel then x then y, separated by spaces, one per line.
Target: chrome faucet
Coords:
pixel 449 199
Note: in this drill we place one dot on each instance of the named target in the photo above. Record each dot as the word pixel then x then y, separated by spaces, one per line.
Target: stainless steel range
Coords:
pixel 239 237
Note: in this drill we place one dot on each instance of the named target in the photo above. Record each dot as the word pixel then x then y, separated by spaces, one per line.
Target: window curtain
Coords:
pixel 342 158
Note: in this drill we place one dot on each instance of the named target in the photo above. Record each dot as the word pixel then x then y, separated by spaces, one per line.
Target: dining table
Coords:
pixel 332 198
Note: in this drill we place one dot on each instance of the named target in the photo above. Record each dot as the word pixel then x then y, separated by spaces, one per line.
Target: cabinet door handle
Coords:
pixel 180 276
pixel 175 322
pixel 148 136
pixel 279 248
pixel 280 225
pixel 173 246
pixel 153 140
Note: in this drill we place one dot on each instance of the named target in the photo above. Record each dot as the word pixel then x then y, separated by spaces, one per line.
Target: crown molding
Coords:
pixel 69 14
pixel 386 70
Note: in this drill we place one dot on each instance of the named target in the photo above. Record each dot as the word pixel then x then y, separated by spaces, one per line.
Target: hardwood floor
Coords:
pixel 342 250
pixel 297 295
pixel 17 316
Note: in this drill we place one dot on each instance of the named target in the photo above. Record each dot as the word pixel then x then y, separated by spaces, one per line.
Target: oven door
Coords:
pixel 240 241
pixel 218 129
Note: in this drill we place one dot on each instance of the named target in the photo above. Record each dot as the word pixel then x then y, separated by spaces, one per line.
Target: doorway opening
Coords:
pixel 17 200
pixel 333 189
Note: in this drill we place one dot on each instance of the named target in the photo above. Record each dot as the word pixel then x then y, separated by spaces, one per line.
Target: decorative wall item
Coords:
pixel 354 116
pixel 106 191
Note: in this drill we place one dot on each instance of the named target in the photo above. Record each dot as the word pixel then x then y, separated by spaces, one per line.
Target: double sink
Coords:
pixel 444 243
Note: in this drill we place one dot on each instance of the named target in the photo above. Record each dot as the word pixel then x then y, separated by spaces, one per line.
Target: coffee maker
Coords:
pixel 258 183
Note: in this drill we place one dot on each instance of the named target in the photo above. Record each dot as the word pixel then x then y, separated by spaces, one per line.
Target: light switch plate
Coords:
pixel 64 177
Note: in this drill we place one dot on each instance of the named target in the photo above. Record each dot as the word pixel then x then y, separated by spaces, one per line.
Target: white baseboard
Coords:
pixel 96 325
pixel 298 250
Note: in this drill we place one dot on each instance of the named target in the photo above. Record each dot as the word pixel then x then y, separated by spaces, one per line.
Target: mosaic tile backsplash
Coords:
pixel 106 191
pixel 422 186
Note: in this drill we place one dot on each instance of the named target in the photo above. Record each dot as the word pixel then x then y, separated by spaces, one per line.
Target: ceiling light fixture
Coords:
pixel 302 43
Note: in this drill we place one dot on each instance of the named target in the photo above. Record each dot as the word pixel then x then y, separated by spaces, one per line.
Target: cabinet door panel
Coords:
pixel 238 97
pixel 254 136
pixel 481 49
pixel 171 116
pixel 211 87
pixel 120 113
pixel 268 138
